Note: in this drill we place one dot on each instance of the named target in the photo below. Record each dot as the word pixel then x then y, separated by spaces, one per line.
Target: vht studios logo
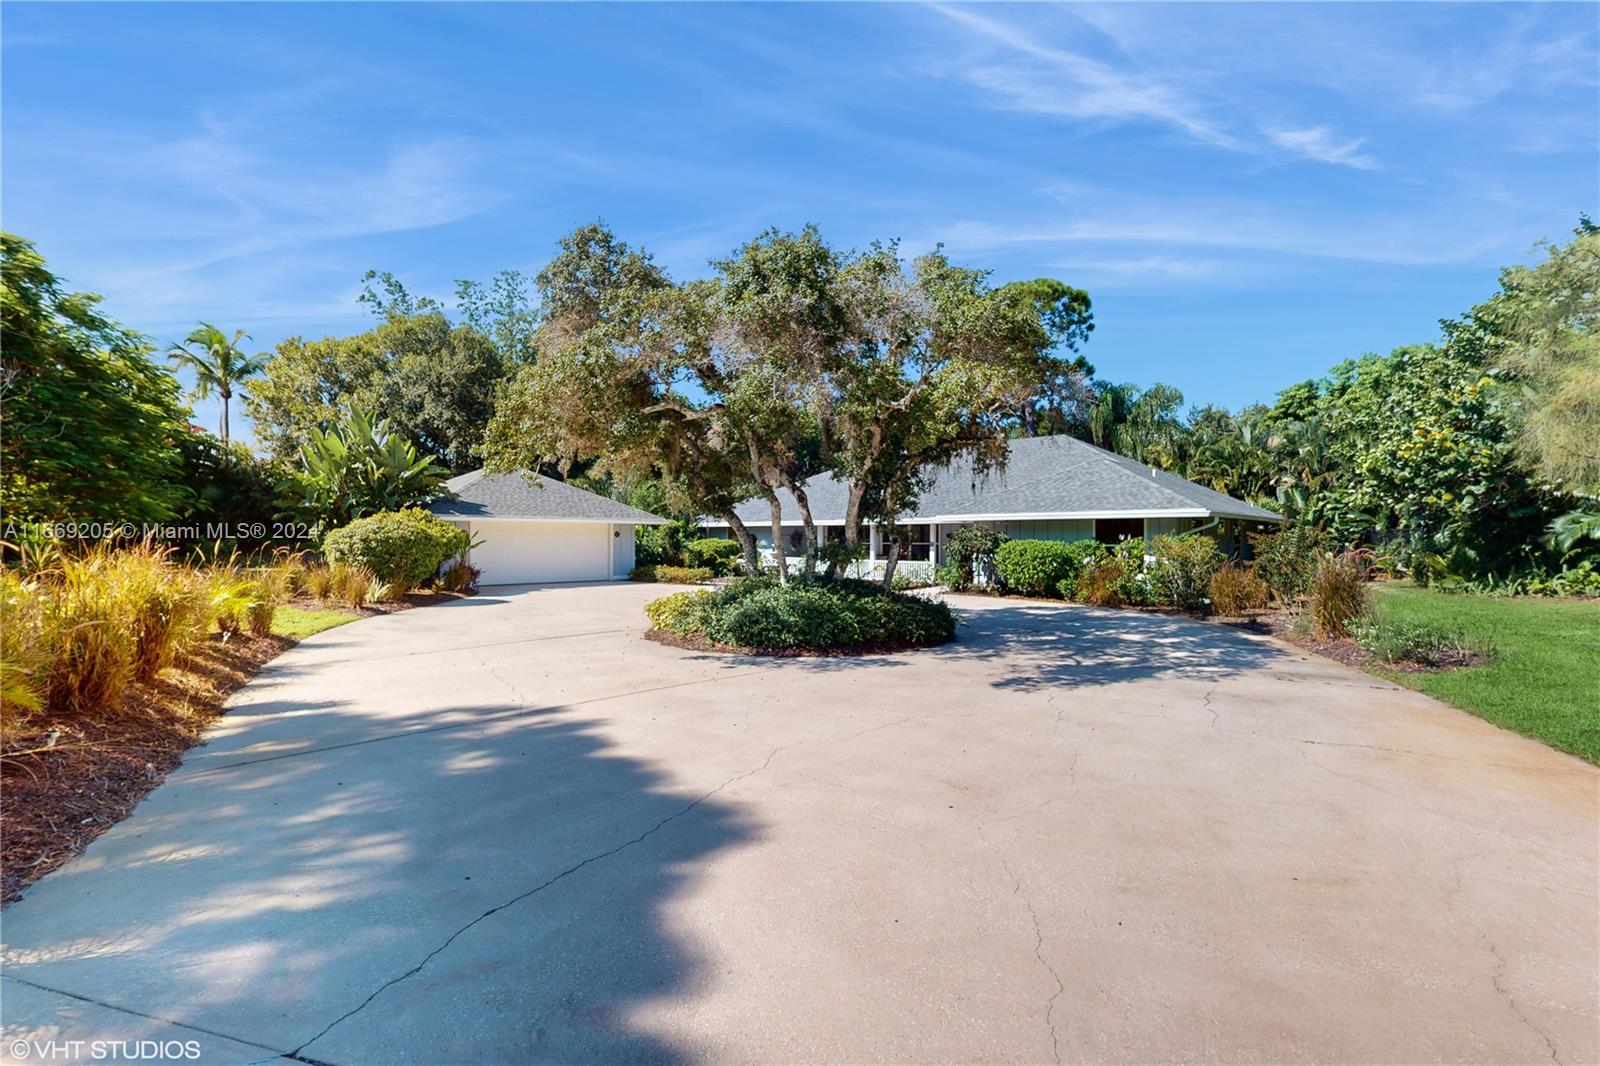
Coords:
pixel 104 1050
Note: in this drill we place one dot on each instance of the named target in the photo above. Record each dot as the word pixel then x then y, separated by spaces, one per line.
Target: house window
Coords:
pixel 916 544
pixel 1112 530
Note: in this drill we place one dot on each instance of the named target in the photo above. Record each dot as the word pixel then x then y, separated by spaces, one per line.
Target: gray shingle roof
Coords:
pixel 1057 477
pixel 533 496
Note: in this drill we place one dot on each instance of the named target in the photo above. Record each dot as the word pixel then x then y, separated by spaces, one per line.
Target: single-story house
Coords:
pixel 1052 488
pixel 534 529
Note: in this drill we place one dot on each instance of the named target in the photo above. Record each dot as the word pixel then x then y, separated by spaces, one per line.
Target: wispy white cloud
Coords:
pixel 1163 233
pixel 1055 81
pixel 1321 144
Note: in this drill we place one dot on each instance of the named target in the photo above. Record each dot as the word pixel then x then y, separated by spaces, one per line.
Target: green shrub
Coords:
pixel 1181 574
pixel 1235 590
pixel 787 616
pixel 93 646
pixel 817 615
pixel 1421 643
pixel 403 548
pixel 1132 582
pixel 717 554
pixel 679 613
pixel 672 575
pixel 1085 553
pixel 1034 567
pixel 1287 560
pixel 661 544
pixel 1339 596
pixel 970 557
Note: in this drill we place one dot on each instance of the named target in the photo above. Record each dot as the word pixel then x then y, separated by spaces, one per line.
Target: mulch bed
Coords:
pixel 699 643
pixel 67 779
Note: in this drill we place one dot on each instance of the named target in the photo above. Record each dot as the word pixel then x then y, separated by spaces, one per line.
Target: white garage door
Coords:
pixel 519 553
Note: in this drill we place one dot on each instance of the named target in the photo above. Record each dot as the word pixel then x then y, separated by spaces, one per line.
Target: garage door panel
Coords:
pixel 519 553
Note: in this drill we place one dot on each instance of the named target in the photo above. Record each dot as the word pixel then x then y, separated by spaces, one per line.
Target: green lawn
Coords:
pixel 299 623
pixel 1544 681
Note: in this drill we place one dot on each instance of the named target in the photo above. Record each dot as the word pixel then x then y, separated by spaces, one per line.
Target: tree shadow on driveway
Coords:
pixel 1037 646
pixel 485 894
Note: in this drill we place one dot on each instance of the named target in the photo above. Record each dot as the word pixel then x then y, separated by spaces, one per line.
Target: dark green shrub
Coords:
pixel 814 615
pixel 403 548
pixel 717 554
pixel 1287 560
pixel 1235 590
pixel 970 557
pixel 1034 567
pixel 787 616
pixel 1182 571
pixel 1084 554
pixel 1339 596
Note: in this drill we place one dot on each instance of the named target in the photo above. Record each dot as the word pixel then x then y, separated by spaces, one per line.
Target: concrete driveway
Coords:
pixel 508 829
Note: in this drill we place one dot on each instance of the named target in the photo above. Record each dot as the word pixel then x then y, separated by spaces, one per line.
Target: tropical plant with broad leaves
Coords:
pixel 218 364
pixel 357 467
pixel 1569 530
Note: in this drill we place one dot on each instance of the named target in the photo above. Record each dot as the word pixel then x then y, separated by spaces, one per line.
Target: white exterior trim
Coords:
pixel 1034 516
pixel 448 517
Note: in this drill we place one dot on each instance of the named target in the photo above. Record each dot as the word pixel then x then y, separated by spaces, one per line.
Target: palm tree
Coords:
pixel 218 364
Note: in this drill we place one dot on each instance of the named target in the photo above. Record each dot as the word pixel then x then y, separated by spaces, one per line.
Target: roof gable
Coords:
pixel 533 497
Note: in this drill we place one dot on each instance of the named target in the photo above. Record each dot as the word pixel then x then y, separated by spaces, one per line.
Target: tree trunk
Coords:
pixel 747 542
pixel 852 524
pixel 889 564
pixel 804 503
pixel 225 396
pixel 779 557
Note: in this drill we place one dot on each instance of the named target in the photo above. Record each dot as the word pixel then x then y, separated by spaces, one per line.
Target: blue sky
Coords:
pixel 1250 192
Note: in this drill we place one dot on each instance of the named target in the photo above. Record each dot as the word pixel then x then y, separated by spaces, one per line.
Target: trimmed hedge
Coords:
pixel 672 575
pixel 1045 567
pixel 403 548
pixel 816 615
pixel 1033 567
pixel 717 554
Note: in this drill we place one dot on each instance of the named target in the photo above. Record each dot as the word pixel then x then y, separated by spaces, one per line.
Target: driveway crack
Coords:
pixel 536 889
pixel 1498 979
pixel 1038 949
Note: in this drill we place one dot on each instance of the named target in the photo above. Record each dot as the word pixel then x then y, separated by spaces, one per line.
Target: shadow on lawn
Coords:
pixel 492 894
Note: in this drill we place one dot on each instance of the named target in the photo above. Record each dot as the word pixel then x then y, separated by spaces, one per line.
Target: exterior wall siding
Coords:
pixel 1163 527
pixel 1058 529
